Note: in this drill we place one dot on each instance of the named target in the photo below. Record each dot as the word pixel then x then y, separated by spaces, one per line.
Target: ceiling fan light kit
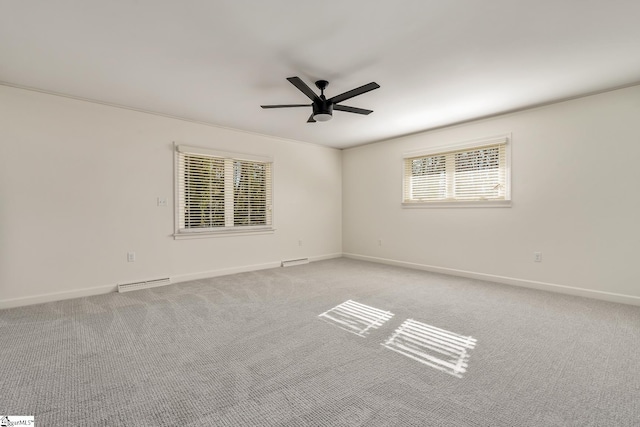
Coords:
pixel 322 117
pixel 322 108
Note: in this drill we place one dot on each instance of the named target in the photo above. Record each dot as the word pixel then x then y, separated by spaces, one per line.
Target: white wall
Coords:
pixel 78 189
pixel 79 182
pixel 575 191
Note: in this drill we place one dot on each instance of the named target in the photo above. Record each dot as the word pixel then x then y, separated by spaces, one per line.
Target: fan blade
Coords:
pixel 354 92
pixel 352 109
pixel 311 120
pixel 286 105
pixel 297 82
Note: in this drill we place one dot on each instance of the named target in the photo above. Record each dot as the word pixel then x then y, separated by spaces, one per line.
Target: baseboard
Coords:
pixel 552 287
pixel 223 272
pixel 57 296
pixel 99 290
pixel 323 257
pixel 243 269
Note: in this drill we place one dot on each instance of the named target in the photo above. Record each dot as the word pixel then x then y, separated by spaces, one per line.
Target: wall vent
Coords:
pixel 134 286
pixel 292 262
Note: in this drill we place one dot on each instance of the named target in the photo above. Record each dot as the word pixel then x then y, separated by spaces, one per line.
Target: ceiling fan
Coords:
pixel 322 107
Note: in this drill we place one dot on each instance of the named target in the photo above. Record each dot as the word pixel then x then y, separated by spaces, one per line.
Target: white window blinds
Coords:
pixel 474 173
pixel 251 194
pixel 202 197
pixel 217 192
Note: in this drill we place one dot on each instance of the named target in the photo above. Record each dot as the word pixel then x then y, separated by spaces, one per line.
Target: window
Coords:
pixel 221 192
pixel 469 174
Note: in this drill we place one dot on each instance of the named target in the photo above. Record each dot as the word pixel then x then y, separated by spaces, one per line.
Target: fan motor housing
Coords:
pixel 323 107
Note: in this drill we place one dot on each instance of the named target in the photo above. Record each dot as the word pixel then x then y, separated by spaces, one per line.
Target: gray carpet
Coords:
pixel 250 349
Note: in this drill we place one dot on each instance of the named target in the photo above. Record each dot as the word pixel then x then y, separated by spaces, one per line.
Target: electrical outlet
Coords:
pixel 131 256
pixel 162 201
pixel 300 242
pixel 537 257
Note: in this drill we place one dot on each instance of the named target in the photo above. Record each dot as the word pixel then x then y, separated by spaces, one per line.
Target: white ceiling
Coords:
pixel 437 62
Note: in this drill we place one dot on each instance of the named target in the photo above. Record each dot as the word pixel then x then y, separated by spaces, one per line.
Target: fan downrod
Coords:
pixel 322 85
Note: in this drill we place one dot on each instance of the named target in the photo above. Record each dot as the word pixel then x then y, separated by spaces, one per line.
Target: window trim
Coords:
pixel 457 146
pixel 227 230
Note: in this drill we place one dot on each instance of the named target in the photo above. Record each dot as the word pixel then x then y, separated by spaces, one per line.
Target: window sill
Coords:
pixel 223 233
pixel 459 204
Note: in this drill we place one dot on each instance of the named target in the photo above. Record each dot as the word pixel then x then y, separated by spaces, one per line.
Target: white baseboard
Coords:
pixel 57 296
pixel 323 257
pixel 99 290
pixel 552 287
pixel 243 269
pixel 105 289
pixel 223 272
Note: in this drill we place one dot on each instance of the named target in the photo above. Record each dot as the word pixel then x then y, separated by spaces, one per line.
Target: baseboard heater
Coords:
pixel 134 286
pixel 292 262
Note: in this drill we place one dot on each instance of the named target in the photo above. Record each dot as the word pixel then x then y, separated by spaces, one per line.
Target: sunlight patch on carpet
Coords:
pixel 435 347
pixel 356 318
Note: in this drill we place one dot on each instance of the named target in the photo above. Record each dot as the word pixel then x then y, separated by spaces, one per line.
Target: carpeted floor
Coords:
pixel 250 349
